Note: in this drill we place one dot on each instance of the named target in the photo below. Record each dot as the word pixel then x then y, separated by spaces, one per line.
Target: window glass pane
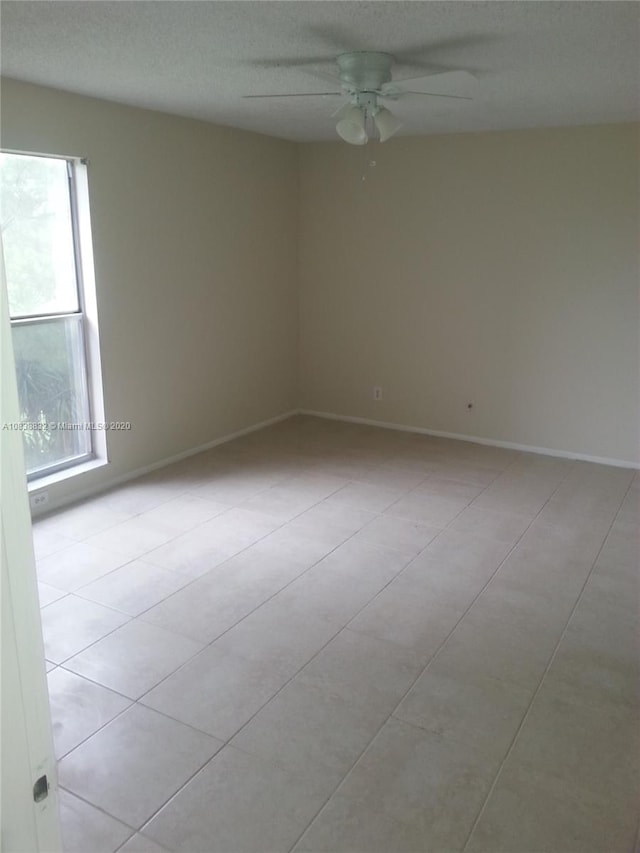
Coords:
pixel 52 391
pixel 37 235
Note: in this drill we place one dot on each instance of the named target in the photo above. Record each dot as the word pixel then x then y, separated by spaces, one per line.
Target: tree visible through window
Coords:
pixel 39 230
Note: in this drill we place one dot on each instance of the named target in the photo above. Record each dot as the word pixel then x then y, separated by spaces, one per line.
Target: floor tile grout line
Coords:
pixel 227 742
pixel 130 619
pixel 430 476
pixel 235 624
pixel 224 562
pixel 77 589
pixel 138 701
pixel 371 544
pixel 129 560
pixel 146 838
pixel 429 662
pixel 63 664
pixel 131 702
pixel 168 800
pixel 188 491
pixel 304 665
pixel 173 672
pixel 184 664
pixel 140 615
pixel 309 468
pixel 77 592
pixel 432 658
pixel 98 496
pixel 354 533
pixel 542 679
pixel 258 606
pixel 228 507
pixel 101 810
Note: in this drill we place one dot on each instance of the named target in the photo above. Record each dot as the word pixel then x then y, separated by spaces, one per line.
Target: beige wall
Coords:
pixel 194 232
pixel 495 268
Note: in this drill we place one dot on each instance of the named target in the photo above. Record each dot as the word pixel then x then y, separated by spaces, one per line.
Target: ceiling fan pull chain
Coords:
pixel 365 157
pixel 368 149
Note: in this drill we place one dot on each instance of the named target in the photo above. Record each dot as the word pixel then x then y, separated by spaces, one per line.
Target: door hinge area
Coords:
pixel 41 789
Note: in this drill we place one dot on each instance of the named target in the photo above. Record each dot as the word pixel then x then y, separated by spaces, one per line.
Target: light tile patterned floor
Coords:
pixel 329 637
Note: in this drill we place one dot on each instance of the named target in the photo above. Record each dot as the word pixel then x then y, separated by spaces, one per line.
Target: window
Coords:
pixel 41 237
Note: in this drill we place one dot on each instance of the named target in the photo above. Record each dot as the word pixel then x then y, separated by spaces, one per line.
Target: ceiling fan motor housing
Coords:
pixel 364 70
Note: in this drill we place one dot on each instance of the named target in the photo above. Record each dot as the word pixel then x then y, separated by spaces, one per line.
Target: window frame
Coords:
pixel 85 315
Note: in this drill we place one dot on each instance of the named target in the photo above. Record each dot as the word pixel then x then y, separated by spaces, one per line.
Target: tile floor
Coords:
pixel 329 637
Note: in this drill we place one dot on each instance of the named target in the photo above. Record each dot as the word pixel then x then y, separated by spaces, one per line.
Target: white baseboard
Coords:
pixel 57 502
pixel 474 439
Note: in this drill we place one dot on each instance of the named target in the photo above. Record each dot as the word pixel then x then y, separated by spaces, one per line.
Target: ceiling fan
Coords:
pixel 364 76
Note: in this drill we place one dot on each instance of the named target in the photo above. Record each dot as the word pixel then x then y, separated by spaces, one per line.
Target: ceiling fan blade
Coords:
pixel 440 46
pixel 296 95
pixel 290 62
pixel 324 75
pixel 436 95
pixel 308 65
pixel 459 84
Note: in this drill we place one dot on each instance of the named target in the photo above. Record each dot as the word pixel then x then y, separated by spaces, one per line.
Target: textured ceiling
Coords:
pixel 539 63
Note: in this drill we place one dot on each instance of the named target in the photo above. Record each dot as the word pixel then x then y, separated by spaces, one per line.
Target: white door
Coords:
pixel 28 813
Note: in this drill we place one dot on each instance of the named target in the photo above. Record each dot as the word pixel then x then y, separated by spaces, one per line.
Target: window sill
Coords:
pixel 66 474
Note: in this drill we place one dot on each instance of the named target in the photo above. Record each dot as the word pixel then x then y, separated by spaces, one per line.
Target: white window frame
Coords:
pixel 87 315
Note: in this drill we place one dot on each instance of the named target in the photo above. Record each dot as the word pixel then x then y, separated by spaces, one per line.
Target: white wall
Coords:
pixel 195 253
pixel 494 268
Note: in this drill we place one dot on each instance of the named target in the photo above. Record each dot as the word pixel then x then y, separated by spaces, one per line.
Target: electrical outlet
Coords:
pixel 377 392
pixel 39 499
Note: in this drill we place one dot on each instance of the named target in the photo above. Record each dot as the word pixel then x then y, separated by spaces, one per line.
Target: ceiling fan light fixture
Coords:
pixel 386 123
pixel 351 126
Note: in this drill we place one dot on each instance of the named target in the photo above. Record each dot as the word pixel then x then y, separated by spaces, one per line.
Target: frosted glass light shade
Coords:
pixel 351 126
pixel 386 123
